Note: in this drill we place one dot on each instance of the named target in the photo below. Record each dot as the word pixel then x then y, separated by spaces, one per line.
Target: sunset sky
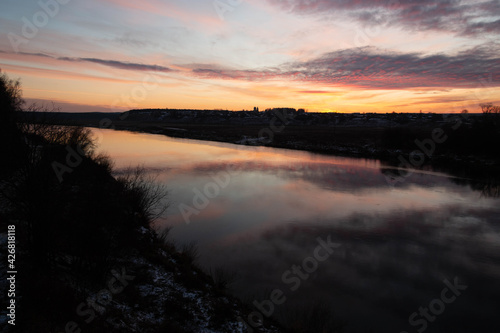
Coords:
pixel 321 55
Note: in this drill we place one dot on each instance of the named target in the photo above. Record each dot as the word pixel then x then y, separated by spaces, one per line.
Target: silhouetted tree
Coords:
pixel 489 108
pixel 11 143
pixel 70 230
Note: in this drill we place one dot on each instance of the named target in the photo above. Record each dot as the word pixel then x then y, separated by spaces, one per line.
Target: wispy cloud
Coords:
pixel 110 63
pixel 367 68
pixel 377 69
pixel 248 75
pixel 467 18
pixel 314 92
pixel 121 64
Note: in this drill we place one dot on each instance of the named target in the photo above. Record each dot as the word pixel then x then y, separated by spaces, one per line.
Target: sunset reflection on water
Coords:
pixel 398 243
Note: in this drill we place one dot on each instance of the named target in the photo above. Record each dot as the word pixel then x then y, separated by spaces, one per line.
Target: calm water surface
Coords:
pixel 259 212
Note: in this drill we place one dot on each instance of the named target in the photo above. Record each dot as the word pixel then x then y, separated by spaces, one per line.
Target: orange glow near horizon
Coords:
pixel 111 93
pixel 175 54
pixel 117 89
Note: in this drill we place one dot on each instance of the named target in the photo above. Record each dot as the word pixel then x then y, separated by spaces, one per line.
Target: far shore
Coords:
pixel 444 143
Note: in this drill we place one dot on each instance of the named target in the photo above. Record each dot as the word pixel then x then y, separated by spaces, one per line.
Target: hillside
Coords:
pixel 85 257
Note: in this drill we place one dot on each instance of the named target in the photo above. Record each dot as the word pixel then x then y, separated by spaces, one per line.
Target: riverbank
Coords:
pixel 86 256
pixel 460 144
pixel 160 267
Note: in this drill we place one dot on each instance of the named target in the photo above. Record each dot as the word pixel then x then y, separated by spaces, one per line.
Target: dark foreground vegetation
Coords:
pixel 86 257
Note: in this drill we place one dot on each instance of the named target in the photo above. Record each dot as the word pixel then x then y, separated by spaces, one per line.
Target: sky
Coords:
pixel 320 55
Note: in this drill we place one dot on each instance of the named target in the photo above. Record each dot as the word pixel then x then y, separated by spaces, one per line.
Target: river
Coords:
pixel 299 230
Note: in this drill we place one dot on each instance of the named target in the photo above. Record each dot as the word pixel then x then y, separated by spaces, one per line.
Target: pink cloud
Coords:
pixel 456 16
pixel 371 68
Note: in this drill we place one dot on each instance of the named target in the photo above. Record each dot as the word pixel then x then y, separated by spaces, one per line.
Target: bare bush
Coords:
pixel 222 278
pixel 190 252
pixel 150 194
pixel 489 108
